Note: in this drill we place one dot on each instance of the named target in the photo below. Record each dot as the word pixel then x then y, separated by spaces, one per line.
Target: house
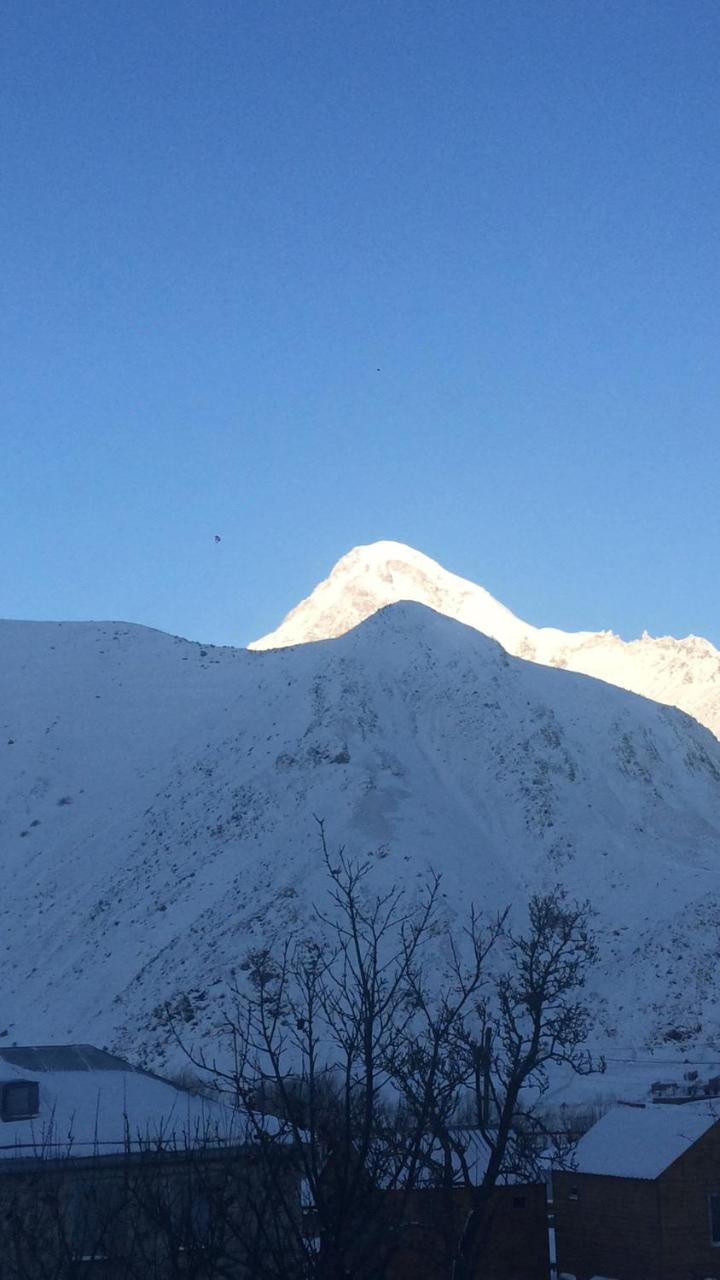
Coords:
pixel 643 1202
pixel 108 1170
pixel 409 1218
pixel 433 1218
pixel 429 1221
pixel 690 1089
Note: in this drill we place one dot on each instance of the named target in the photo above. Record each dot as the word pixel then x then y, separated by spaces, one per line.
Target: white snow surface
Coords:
pixel 684 673
pixel 157 802
pixel 86 1113
pixel 641 1142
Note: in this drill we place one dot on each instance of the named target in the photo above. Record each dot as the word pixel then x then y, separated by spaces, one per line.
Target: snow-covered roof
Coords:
pixel 465 1158
pixel 641 1142
pixel 467 1154
pixel 93 1103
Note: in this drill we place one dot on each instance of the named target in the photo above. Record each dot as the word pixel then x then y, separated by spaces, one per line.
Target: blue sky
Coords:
pixel 309 273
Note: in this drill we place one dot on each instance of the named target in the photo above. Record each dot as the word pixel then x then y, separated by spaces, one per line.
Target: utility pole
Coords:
pixel 483 1059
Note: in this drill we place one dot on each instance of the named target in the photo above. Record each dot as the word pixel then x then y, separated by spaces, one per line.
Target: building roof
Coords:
pixel 467 1157
pixel 463 1161
pixel 643 1141
pixel 63 1057
pixel 92 1103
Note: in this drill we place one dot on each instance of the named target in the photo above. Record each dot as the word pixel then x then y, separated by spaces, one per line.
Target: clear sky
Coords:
pixel 310 273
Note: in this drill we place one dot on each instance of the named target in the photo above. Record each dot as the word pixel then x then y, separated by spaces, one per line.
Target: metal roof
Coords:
pixel 63 1057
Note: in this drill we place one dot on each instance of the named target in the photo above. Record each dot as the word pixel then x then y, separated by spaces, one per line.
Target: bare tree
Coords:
pixel 365 1040
pixel 315 1035
pixel 496 1050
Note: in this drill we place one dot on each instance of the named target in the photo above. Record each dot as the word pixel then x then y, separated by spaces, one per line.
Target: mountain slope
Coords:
pixel 157 802
pixel 684 673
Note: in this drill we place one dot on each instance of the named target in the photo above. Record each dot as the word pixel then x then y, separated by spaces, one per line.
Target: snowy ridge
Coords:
pixel 157 802
pixel 684 673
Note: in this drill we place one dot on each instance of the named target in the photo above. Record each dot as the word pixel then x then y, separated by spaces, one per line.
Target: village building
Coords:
pixel 515 1248
pixel 108 1170
pixel 643 1202
pixel 429 1222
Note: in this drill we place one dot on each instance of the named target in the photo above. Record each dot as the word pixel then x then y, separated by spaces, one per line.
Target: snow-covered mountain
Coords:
pixel 157 802
pixel 684 673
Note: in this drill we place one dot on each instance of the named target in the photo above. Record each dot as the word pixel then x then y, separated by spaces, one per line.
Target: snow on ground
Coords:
pixel 157 802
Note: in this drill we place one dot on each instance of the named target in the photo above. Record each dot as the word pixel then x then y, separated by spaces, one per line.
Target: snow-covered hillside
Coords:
pixel 157 802
pixel 684 673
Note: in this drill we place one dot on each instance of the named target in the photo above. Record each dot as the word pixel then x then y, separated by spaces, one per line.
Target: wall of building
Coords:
pixel 160 1216
pixel 607 1227
pixel 517 1247
pixel 683 1190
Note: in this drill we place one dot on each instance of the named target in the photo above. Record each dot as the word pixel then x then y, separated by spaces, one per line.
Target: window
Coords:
pixel 714 1208
pixel 573 1194
pixel 19 1100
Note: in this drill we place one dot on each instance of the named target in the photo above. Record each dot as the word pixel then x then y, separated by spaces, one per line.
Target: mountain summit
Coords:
pixel 370 578
pixel 682 673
